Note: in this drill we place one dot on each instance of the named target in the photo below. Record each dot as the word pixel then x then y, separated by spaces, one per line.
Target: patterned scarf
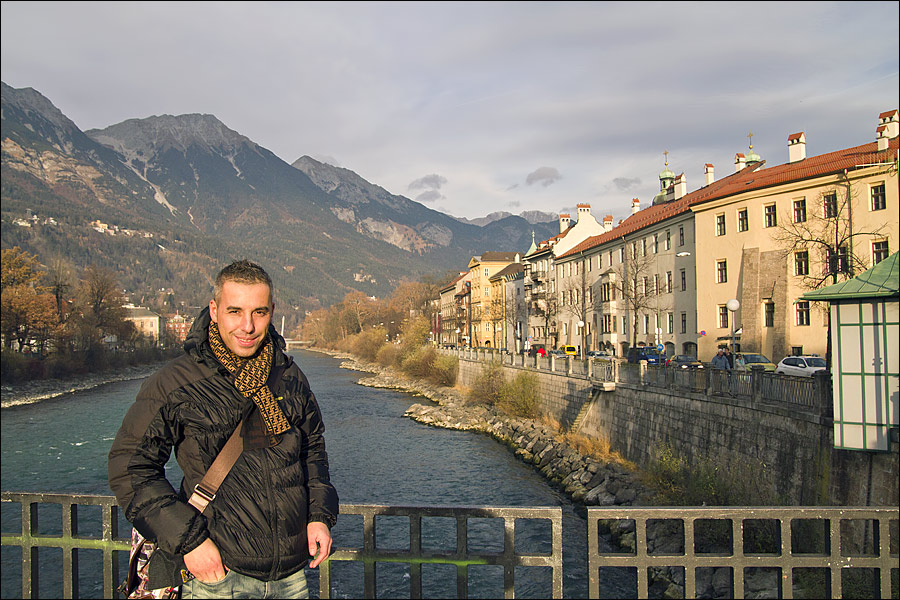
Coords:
pixel 250 376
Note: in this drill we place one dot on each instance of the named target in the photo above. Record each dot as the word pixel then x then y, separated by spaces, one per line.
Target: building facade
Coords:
pixel 777 232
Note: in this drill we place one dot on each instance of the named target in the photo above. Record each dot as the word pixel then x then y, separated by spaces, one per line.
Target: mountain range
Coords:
pixel 165 201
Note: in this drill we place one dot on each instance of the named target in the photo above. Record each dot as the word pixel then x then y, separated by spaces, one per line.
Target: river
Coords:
pixel 376 455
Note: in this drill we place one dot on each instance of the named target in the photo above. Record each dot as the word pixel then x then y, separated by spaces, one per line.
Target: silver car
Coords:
pixel 800 366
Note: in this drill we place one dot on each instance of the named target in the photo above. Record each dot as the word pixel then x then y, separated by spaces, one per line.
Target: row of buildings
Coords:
pixel 693 271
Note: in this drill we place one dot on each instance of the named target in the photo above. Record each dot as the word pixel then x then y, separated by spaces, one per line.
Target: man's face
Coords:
pixel 243 313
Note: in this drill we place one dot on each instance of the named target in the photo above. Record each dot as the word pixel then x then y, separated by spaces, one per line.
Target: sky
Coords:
pixel 477 107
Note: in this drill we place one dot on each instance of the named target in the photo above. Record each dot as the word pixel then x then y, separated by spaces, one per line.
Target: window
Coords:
pixel 668 282
pixel 656 289
pixel 723 316
pixel 655 243
pixel 771 217
pixel 646 324
pixel 797 351
pixel 878 198
pixel 668 240
pixel 800 210
pixel 487 272
pixel 681 236
pixel 625 323
pixel 683 322
pixel 838 262
pixel 879 251
pixel 600 261
pixel 644 247
pixel 770 314
pixel 802 313
pixel 683 281
pixel 670 328
pixel 720 224
pixel 743 220
pixel 801 263
pixel 633 249
pixel 646 289
pixel 829 205
pixel 722 271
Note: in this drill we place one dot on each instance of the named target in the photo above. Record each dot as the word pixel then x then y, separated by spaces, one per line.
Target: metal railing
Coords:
pixel 808 394
pixel 462 556
pixel 66 536
pixel 807 547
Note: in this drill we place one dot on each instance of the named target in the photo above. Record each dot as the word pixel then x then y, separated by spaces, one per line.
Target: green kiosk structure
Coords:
pixel 865 361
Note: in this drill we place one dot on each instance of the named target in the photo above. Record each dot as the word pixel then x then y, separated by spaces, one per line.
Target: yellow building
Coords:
pixel 483 317
pixel 148 323
pixel 774 233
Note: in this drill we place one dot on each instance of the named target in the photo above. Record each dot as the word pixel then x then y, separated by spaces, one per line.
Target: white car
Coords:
pixel 800 366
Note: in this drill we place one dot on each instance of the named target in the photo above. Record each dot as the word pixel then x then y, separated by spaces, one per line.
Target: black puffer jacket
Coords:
pixel 259 516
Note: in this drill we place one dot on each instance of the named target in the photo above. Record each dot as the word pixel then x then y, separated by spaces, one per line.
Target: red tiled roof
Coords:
pixel 752 177
pixel 795 136
pixel 888 114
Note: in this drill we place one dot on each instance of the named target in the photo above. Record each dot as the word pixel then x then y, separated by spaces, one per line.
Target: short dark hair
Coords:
pixel 242 271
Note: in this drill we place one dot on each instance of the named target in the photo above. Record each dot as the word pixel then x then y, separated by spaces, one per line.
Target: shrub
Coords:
pixel 521 396
pixel 388 355
pixel 367 343
pixel 418 362
pixel 444 370
pixel 488 386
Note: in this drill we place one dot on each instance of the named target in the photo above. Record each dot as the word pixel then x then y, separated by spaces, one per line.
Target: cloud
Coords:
pixel 545 176
pixel 623 184
pixel 429 182
pixel 514 204
pixel 429 196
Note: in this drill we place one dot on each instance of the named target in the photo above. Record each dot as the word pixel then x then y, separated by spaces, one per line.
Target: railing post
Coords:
pixel 756 374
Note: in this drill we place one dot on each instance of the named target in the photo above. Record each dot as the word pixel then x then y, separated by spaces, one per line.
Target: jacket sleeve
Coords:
pixel 137 477
pixel 323 498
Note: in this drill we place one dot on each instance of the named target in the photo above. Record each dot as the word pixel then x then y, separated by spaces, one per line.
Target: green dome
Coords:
pixel 753 157
pixel 666 173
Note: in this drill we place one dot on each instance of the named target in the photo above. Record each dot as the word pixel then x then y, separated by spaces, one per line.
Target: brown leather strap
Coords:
pixel 205 491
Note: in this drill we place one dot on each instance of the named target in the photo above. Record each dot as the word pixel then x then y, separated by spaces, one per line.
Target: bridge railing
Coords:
pixel 685 552
pixel 70 537
pixel 762 552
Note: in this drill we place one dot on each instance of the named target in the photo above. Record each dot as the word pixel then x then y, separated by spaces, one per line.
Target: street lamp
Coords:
pixel 732 305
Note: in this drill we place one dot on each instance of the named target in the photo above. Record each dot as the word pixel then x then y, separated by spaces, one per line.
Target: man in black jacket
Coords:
pixel 276 507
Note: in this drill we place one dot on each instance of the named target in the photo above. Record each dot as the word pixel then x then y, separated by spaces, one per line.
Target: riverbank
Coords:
pixel 43 389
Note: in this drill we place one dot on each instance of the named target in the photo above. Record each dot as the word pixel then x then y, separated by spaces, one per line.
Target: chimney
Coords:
pixel 584 209
pixel 890 120
pixel 709 171
pixel 680 187
pixel 564 221
pixel 608 223
pixel 740 161
pixel 796 147
pixel 882 138
pixel 635 206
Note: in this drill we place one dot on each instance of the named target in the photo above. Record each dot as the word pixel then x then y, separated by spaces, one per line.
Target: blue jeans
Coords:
pixel 235 585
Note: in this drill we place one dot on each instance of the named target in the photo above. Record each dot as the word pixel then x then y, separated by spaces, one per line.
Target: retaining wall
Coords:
pixel 796 447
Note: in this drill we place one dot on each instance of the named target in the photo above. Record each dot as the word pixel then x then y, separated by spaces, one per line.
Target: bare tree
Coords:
pixel 821 237
pixel 514 315
pixel 637 286
pixel 578 300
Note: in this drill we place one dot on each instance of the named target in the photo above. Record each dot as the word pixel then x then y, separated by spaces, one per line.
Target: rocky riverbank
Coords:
pixel 43 389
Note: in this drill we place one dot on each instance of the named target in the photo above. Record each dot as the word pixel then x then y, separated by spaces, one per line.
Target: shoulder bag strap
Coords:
pixel 205 491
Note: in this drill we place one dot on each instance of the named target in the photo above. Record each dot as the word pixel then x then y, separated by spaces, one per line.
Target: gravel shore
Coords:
pixel 34 391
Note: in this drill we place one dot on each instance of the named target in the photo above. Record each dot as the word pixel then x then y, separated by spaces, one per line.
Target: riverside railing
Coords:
pixel 820 551
pixel 809 394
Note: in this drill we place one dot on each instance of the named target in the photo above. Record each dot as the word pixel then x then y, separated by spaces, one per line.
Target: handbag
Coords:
pixel 153 573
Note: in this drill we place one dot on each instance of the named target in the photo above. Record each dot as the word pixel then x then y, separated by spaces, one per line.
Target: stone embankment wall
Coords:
pixel 793 447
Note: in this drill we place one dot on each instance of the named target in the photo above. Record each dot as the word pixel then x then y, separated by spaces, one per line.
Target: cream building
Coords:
pixel 634 284
pixel 148 323
pixel 483 309
pixel 774 233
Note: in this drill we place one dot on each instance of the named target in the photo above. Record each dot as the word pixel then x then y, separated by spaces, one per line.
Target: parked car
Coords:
pixel 801 366
pixel 651 355
pixel 599 355
pixel 557 352
pixel 684 361
pixel 758 360
pixel 570 350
